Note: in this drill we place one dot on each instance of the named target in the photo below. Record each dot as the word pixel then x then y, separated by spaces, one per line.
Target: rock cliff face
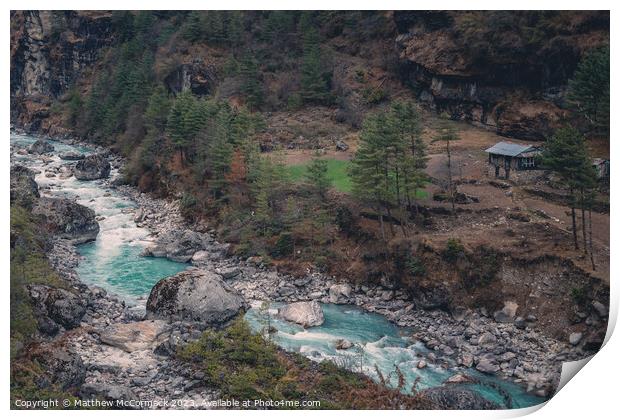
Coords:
pixel 504 70
pixel 49 51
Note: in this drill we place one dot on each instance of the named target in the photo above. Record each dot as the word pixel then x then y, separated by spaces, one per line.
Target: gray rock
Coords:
pixel 467 360
pixel 181 247
pixel 459 378
pixel 67 219
pixel 109 392
pixel 136 336
pixel 421 364
pixel 194 295
pixel 600 308
pixel 24 189
pixel 92 167
pixel 458 313
pixel 229 273
pixel 487 339
pixel 63 307
pixel 342 146
pixel 306 314
pixel 453 397
pixel 71 155
pixel 343 344
pixel 520 322
pixel 62 367
pixel 575 338
pixel 507 313
pixel 487 364
pixel 339 293
pixel 40 147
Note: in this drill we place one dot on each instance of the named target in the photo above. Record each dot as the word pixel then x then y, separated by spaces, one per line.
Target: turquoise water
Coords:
pixel 113 262
pixel 379 345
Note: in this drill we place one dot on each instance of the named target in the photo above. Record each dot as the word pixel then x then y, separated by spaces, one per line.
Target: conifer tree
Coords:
pixel 317 176
pixel 589 89
pixel 314 88
pixel 447 134
pixel 251 86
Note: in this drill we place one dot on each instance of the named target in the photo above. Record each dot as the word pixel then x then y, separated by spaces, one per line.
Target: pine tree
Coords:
pixel 156 113
pixel 251 86
pixel 447 134
pixel 565 154
pixel 589 89
pixel 317 176
pixel 314 88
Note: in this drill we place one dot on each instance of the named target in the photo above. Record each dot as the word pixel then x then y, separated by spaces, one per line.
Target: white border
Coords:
pixel 592 394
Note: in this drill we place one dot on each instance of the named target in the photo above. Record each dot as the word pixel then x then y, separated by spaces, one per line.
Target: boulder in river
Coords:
pixel 40 147
pixel 194 295
pixel 24 189
pixel 454 397
pixel 180 246
pixel 67 219
pixel 71 155
pixel 92 167
pixel 60 306
pixel 306 314
pixel 343 344
pixel 134 336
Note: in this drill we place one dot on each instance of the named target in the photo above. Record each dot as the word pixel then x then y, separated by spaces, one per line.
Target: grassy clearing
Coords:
pixel 338 174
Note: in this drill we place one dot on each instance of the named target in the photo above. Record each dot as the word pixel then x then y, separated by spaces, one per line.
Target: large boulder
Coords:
pixel 180 246
pixel 92 167
pixel 60 366
pixel 24 189
pixel 134 336
pixel 507 313
pixel 306 314
pixel 53 305
pixel 71 155
pixel 67 219
pixel 340 293
pixel 454 397
pixel 107 392
pixel 194 295
pixel 487 364
pixel 40 147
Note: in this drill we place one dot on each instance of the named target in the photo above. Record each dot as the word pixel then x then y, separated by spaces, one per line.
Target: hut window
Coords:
pixel 527 162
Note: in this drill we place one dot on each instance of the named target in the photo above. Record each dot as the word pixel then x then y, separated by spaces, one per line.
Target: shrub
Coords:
pixel 453 250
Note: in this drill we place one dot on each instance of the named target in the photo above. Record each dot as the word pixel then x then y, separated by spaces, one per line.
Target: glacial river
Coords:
pixel 113 262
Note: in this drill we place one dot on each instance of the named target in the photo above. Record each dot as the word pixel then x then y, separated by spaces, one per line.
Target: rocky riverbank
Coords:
pixel 125 355
pixel 512 349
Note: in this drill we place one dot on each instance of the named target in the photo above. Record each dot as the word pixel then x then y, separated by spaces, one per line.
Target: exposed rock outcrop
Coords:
pixel 67 219
pixel 60 365
pixel 136 336
pixel 56 307
pixel 92 167
pixel 40 147
pixel 194 295
pixel 183 246
pixel 457 398
pixel 306 314
pixel 24 189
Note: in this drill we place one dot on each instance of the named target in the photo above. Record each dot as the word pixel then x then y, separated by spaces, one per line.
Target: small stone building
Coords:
pixel 519 162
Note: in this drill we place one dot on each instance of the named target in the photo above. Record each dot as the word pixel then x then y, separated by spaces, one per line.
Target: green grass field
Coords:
pixel 337 172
